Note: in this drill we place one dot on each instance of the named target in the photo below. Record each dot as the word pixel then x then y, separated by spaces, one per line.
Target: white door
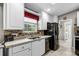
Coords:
pixel 68 33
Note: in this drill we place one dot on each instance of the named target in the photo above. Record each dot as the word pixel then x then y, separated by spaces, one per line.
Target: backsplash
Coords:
pixel 77 30
pixel 8 32
pixel 18 34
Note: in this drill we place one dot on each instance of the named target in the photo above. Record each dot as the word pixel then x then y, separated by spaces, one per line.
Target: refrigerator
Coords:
pixel 52 29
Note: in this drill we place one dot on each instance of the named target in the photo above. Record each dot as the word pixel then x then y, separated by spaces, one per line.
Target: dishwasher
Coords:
pixel 77 46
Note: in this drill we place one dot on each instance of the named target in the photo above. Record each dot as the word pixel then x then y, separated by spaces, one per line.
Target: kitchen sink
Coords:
pixel 34 37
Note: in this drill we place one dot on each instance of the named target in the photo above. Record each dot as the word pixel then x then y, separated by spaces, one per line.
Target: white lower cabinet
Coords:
pixel 42 46
pixel 38 47
pixel 35 48
pixel 1 51
pixel 21 50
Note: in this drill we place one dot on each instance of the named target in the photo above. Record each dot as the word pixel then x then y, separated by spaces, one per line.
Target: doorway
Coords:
pixel 65 34
pixel 68 33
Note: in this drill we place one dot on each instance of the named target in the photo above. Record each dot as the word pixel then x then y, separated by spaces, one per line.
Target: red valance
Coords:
pixel 30 15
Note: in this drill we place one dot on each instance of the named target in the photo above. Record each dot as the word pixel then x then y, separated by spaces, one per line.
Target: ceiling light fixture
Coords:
pixel 48 10
pixel 53 3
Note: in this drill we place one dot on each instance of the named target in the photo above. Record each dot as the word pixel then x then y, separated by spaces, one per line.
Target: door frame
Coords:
pixel 70 22
pixel 73 38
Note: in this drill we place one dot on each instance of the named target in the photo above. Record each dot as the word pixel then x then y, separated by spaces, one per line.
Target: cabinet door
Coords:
pixel 42 23
pixel 42 46
pixel 44 26
pixel 1 52
pixel 38 48
pixel 14 16
pixel 35 48
pixel 78 18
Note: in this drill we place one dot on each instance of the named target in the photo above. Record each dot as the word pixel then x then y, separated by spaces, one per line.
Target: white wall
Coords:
pixel 1 23
pixel 72 15
pixel 26 19
pixel 49 18
pixel 53 19
pixel 44 18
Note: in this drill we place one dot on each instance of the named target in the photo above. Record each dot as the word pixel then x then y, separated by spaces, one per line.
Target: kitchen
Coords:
pixel 32 29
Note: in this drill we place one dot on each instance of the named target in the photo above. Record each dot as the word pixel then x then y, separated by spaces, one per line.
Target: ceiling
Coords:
pixel 54 9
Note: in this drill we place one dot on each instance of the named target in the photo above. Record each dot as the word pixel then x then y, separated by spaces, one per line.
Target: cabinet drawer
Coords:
pixel 21 47
pixel 26 52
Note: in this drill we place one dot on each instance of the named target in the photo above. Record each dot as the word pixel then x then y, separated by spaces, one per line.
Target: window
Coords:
pixel 30 25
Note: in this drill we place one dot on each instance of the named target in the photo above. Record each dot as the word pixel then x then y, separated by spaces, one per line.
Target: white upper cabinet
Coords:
pixel 13 16
pixel 77 18
pixel 42 23
pixel 44 18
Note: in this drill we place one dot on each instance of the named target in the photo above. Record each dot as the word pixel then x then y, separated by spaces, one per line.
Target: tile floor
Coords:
pixel 62 51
